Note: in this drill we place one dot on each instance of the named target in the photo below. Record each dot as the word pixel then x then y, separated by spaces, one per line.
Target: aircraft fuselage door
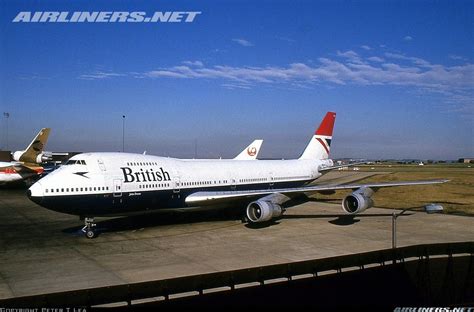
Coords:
pixel 101 164
pixel 117 188
pixel 176 185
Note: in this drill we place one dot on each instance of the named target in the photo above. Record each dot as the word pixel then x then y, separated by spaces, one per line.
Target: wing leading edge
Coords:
pixel 209 198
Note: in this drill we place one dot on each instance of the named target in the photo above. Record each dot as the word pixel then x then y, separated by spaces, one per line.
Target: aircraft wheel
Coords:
pixel 90 234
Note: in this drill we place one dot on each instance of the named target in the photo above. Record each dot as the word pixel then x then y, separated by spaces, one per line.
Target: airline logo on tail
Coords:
pixel 38 146
pixel 324 133
pixel 320 144
pixel 252 151
pixel 326 143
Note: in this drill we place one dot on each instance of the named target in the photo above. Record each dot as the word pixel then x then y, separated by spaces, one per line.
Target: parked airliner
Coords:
pixel 115 184
pixel 26 163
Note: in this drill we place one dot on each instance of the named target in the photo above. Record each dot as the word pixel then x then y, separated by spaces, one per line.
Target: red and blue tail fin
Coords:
pixel 320 144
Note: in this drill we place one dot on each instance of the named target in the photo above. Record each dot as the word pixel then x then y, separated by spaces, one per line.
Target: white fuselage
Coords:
pixel 95 184
pixel 9 174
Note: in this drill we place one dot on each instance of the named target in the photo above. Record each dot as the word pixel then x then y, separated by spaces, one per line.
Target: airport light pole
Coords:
pixel 431 208
pixel 6 115
pixel 394 227
pixel 123 133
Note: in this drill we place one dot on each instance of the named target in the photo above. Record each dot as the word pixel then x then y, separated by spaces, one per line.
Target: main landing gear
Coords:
pixel 88 229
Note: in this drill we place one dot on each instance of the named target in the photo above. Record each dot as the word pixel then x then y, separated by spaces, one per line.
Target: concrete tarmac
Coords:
pixel 42 251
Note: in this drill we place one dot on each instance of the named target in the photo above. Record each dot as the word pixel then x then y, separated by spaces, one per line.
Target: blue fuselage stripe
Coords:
pixel 90 205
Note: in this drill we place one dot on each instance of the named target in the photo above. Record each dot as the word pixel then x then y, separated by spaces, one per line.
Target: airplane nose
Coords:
pixel 35 193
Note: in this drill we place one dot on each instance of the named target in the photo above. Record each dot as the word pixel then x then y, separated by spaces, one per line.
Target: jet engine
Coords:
pixel 41 158
pixel 261 211
pixel 17 155
pixel 358 201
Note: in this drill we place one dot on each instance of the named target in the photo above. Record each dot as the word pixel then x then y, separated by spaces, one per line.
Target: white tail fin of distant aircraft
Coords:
pixel 251 151
pixel 320 144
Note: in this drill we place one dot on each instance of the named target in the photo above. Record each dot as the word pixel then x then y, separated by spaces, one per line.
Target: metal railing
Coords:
pixel 230 279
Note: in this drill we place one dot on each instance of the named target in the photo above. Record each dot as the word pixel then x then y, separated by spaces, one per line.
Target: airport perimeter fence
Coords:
pixel 197 285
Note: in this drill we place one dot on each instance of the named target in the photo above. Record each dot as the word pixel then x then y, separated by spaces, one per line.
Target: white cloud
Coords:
pixel 366 47
pixel 96 75
pixel 243 42
pixel 457 57
pixel 408 38
pixel 376 59
pixel 416 73
pixel 234 86
pixel 415 60
pixel 350 55
pixel 193 63
pixel 454 83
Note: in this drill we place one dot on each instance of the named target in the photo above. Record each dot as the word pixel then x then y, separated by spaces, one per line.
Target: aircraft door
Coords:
pixel 176 185
pixel 101 164
pixel 117 187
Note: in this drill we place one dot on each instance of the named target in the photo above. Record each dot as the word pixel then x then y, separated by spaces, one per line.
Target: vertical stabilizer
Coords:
pixel 31 153
pixel 320 144
pixel 251 151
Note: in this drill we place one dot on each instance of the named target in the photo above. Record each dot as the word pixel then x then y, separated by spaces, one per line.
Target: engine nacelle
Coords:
pixel 261 211
pixel 358 201
pixel 17 155
pixel 41 158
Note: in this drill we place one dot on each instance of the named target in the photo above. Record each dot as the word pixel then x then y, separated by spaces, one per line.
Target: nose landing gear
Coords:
pixel 88 229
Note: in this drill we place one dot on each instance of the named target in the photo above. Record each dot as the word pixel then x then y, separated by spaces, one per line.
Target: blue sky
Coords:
pixel 400 76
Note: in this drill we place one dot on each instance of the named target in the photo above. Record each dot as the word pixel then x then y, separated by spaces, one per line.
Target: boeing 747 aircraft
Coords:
pixel 115 184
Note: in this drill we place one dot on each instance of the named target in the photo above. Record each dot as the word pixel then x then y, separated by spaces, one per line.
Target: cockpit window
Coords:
pixel 75 162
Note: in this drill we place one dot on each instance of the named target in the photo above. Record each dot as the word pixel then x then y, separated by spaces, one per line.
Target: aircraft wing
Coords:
pixel 210 198
pixel 324 169
pixel 4 164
